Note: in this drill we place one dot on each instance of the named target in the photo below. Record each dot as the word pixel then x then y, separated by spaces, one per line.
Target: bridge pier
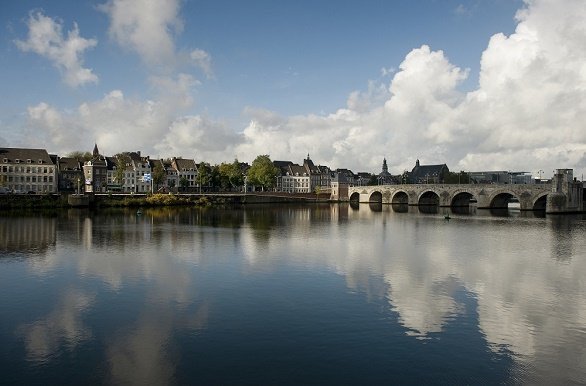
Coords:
pixel 567 193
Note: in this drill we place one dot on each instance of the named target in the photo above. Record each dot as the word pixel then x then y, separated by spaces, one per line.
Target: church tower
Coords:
pixel 385 167
pixel 96 152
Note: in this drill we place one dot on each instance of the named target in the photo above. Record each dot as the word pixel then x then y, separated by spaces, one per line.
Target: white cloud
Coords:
pixel 176 92
pixel 199 137
pixel 45 38
pixel 203 60
pixel 146 27
pixel 149 28
pixel 527 112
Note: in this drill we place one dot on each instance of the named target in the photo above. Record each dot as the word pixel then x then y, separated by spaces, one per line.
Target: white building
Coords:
pixel 27 170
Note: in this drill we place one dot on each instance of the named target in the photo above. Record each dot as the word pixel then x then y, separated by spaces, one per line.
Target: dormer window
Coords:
pixel 17 161
pixel 5 160
pixel 28 161
pixel 40 161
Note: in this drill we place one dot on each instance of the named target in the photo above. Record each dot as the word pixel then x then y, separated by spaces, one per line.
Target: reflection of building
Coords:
pixel 27 170
pixel 27 233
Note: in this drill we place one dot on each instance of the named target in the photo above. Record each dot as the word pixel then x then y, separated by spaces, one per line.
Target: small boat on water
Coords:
pixel 139 212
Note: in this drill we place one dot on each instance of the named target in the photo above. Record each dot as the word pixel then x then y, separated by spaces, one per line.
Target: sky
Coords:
pixel 478 84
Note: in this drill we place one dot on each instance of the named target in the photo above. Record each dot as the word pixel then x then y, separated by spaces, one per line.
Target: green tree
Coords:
pixel 204 175
pixel 231 176
pixel 457 178
pixel 183 183
pixel 80 155
pixel 122 161
pixel 263 172
pixel 159 174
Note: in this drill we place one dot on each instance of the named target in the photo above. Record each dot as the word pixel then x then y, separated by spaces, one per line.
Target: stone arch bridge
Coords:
pixel 529 196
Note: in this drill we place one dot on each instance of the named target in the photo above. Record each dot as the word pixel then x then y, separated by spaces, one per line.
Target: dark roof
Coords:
pixel 420 172
pixel 185 164
pixel 68 163
pixel 35 155
pixel 297 170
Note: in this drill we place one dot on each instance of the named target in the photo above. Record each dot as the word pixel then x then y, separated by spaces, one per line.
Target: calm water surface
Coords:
pixel 292 295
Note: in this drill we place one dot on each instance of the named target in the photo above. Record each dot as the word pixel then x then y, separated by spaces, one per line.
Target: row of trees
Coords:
pixel 231 176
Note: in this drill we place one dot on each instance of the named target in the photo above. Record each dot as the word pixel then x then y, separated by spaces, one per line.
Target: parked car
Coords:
pixel 4 190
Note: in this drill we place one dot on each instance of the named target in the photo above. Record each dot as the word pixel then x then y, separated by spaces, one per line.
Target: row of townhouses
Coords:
pixel 36 171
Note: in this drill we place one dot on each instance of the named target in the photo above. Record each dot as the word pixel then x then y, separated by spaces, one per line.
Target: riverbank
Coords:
pixel 50 201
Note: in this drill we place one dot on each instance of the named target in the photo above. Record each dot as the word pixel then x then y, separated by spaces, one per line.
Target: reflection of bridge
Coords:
pixel 529 196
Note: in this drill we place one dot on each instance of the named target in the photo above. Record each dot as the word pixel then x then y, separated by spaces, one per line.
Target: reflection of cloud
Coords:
pixel 144 355
pixel 63 325
pixel 423 304
pixel 141 357
pixel 530 304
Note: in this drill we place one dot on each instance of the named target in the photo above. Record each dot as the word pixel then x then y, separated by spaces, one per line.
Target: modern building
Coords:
pixel 501 177
pixel 27 170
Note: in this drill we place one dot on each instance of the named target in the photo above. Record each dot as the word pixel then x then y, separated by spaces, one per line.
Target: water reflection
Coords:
pixel 141 286
pixel 29 234
pixel 63 326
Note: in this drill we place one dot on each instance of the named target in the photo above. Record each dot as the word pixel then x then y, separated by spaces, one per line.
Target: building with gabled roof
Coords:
pixel 27 170
pixel 95 172
pixel 428 174
pixel 186 171
pixel 69 174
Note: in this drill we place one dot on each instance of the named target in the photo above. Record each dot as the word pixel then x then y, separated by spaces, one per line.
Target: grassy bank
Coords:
pixel 151 200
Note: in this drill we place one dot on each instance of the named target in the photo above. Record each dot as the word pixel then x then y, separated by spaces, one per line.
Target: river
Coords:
pixel 315 294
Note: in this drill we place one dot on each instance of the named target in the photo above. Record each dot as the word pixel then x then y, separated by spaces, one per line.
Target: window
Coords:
pixel 40 161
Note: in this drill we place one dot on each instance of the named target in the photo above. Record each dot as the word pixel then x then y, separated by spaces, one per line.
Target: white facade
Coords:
pixel 27 170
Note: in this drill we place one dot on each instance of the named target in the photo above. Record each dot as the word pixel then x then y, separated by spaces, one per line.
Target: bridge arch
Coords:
pixel 376 197
pixel 540 202
pixel 355 197
pixel 429 197
pixel 461 199
pixel 502 199
pixel 400 197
